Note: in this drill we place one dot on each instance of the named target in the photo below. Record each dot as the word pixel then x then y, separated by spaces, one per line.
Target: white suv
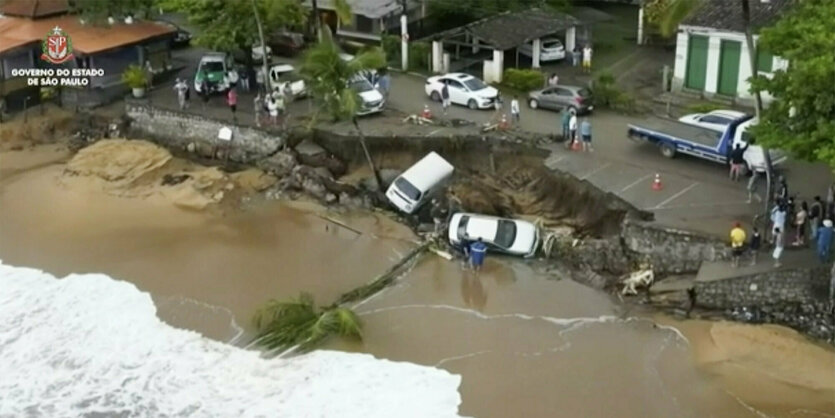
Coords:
pixel 551 49
pixel 464 90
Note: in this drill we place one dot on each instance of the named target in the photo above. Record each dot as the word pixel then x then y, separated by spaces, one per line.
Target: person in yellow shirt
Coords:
pixel 737 243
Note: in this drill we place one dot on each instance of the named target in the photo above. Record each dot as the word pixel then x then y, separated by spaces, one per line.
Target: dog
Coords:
pixel 643 277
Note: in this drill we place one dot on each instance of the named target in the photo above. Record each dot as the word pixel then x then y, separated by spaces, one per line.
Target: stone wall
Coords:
pixel 784 286
pixel 671 251
pixel 197 134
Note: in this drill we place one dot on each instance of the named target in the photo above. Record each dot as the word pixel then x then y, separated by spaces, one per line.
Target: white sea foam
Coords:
pixel 89 345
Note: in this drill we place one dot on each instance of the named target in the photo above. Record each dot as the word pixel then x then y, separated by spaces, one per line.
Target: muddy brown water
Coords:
pixel 525 343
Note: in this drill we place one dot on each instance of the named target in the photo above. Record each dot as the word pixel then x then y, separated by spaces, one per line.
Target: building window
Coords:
pixel 765 61
pixel 364 24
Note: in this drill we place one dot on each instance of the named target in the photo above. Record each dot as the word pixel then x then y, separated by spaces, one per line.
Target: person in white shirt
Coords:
pixel 572 128
pixel 272 107
pixel 514 109
pixel 587 58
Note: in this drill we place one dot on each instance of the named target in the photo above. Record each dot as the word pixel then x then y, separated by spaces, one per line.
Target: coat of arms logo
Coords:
pixel 56 47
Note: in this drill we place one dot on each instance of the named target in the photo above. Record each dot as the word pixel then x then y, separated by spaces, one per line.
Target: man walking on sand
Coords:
pixel 737 243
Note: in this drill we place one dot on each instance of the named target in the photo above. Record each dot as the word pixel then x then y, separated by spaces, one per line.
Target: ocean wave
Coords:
pixel 89 345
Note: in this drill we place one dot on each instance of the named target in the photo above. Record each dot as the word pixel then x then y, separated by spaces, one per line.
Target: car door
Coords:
pixel 562 97
pixel 457 92
pixel 548 99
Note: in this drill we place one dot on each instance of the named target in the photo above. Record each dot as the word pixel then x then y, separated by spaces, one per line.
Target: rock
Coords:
pixel 330 198
pixel 279 164
pixel 314 188
pixel 323 173
pixel 191 147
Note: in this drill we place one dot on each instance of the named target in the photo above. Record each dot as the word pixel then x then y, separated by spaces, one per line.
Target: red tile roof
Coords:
pixel 86 39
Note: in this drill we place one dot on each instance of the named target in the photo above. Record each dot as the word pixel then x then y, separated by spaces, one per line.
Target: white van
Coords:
pixel 754 155
pixel 411 189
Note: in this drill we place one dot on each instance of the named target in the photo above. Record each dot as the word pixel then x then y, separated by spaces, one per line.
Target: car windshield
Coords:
pixel 505 234
pixel 407 188
pixel 475 84
pixel 212 66
pixel 361 85
pixel 584 93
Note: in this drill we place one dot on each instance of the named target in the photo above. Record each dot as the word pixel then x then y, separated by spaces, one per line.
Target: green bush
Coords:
pixel 391 46
pixel 703 107
pixel 607 94
pixel 523 80
pixel 134 76
pixel 419 55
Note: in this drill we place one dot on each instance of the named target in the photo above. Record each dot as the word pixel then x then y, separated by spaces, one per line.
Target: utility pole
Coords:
pixel 404 36
pixel 316 22
pixel 263 48
pixel 752 61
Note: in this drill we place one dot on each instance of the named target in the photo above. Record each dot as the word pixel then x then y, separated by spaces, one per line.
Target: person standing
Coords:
pixel 754 245
pixel 778 247
pixel 514 110
pixel 587 59
pixel 782 190
pixel 232 101
pixel 737 161
pixel 830 202
pixel 478 251
pixel 258 108
pixel 825 241
pixel 752 185
pixel 566 118
pixel 272 107
pixel 149 74
pixel 815 216
pixel 445 98
pixel 575 56
pixel 204 92
pixel 281 106
pixel 800 219
pixel 181 88
pixel 384 82
pixel 439 215
pixel 572 128
pixel 778 219
pixel 585 134
pixel 737 243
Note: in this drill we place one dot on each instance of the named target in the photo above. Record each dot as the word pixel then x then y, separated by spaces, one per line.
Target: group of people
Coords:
pixel 811 224
pixel 572 134
pixel 583 55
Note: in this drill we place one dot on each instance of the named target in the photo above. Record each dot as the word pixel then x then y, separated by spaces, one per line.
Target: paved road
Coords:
pixel 696 194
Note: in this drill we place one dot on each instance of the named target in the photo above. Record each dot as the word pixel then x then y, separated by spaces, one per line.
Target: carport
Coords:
pixel 507 30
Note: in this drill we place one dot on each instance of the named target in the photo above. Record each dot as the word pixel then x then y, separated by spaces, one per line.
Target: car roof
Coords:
pixel 460 76
pixel 482 226
pixel 220 56
pixel 283 68
pixel 729 113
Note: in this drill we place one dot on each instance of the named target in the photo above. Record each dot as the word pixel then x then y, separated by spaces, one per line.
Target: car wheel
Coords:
pixel 472 104
pixel 435 96
pixel 572 110
pixel 533 104
pixel 668 151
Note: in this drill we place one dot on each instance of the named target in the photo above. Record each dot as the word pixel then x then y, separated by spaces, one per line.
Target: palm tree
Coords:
pixel 297 324
pixel 328 78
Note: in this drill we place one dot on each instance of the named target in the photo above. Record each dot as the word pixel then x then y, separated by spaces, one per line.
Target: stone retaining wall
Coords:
pixel 669 250
pixel 803 285
pixel 175 130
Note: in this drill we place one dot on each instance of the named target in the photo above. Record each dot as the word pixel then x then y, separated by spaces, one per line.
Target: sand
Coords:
pixel 141 169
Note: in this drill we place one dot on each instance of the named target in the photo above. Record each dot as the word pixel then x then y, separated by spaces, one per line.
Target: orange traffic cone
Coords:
pixel 426 114
pixel 503 123
pixel 575 145
pixel 656 184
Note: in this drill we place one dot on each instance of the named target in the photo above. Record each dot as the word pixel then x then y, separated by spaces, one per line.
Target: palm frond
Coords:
pixel 369 59
pixel 675 13
pixel 343 11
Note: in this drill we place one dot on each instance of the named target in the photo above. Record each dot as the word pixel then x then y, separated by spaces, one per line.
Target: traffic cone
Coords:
pixel 575 145
pixel 503 123
pixel 656 184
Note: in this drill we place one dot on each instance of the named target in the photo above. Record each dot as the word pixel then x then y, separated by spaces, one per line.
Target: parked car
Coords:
pixel 286 43
pixel 422 180
pixel 575 99
pixel 718 120
pixel 181 37
pixel 464 90
pixel 550 49
pixel 282 75
pixel 509 236
pixel 218 70
pixel 372 100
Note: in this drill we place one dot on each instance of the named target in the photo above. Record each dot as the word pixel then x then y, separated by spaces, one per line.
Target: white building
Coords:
pixel 369 18
pixel 712 56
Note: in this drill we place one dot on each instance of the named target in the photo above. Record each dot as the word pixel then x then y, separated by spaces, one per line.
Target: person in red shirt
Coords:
pixel 232 101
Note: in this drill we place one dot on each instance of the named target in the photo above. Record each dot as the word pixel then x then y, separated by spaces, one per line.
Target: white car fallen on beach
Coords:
pixel 510 236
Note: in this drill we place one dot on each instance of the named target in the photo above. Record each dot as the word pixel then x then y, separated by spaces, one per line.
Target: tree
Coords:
pixel 284 325
pixel 230 25
pixel 328 78
pixel 97 11
pixel 801 119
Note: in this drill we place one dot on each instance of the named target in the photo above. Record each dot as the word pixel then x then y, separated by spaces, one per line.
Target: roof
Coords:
pixel 588 16
pixel 34 8
pixel 86 39
pixel 373 9
pixel 727 15
pixel 508 30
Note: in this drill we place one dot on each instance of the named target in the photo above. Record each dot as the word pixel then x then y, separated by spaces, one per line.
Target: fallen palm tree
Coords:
pixel 297 325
